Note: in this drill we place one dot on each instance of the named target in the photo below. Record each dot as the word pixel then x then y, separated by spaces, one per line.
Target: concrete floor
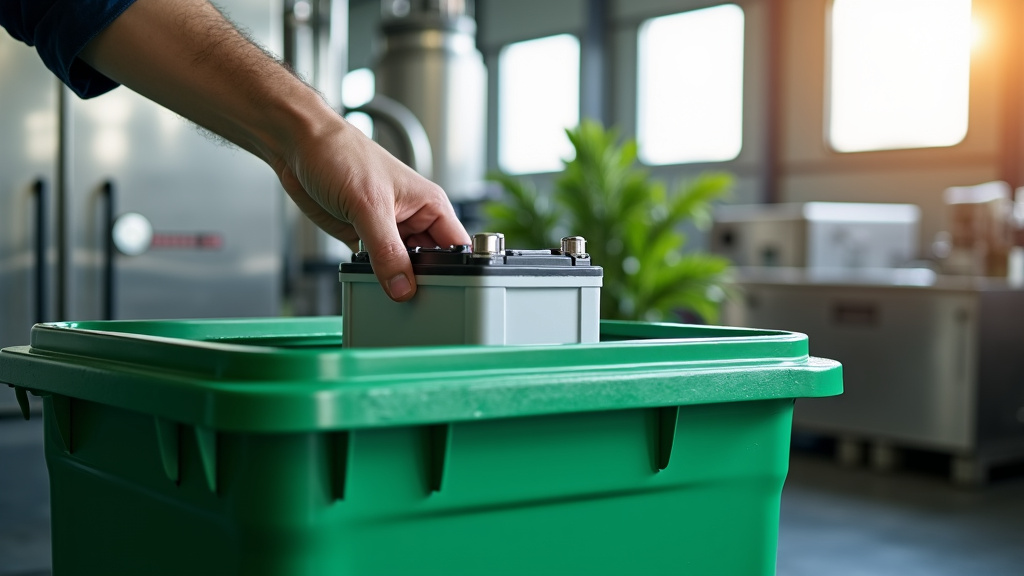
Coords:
pixel 24 497
pixel 835 521
pixel 855 522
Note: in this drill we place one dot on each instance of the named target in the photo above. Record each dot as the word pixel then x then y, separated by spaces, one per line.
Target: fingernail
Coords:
pixel 399 286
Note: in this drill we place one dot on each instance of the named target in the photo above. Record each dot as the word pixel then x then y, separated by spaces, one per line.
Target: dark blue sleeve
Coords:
pixel 59 29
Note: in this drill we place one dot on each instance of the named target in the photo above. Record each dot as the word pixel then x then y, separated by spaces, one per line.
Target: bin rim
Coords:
pixel 291 374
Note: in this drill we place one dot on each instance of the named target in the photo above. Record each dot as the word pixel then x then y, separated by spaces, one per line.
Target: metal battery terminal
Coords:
pixel 575 246
pixel 488 244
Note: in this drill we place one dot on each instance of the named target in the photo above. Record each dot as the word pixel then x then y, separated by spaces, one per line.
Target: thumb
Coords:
pixel 388 255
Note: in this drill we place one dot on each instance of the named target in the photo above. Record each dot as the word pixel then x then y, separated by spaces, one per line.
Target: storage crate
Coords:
pixel 261 446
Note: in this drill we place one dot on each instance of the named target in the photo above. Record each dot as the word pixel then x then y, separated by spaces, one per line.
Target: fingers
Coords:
pixel 388 255
pixel 448 231
pixel 432 222
pixel 422 241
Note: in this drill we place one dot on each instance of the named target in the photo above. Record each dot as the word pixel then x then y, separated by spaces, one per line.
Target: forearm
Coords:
pixel 184 55
pixel 187 57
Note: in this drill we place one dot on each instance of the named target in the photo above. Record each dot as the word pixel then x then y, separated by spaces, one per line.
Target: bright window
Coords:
pixel 538 99
pixel 690 86
pixel 900 72
pixel 357 88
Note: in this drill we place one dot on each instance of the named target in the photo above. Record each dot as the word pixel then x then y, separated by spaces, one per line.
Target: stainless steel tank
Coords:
pixel 430 64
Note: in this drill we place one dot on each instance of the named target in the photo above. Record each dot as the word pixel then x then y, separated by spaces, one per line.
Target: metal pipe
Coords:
pixel 412 137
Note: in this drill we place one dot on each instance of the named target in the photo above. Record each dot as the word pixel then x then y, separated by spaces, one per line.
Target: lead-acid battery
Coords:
pixel 478 294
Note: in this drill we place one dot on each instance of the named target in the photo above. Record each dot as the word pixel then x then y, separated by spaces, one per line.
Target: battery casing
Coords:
pixel 513 297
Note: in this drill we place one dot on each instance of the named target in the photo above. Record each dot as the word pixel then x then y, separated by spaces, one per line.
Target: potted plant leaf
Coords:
pixel 632 224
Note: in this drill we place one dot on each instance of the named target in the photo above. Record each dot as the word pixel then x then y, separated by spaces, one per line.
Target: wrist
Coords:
pixel 291 117
pixel 299 120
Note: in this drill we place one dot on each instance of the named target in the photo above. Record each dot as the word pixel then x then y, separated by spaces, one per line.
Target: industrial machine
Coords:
pixel 430 64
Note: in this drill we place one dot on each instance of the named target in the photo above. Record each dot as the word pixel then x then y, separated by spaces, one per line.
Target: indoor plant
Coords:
pixel 632 224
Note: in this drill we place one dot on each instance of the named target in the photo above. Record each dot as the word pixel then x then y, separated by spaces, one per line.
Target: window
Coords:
pixel 358 88
pixel 538 99
pixel 900 72
pixel 690 86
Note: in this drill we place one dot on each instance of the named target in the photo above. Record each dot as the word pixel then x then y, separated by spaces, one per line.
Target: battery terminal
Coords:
pixel 575 246
pixel 487 244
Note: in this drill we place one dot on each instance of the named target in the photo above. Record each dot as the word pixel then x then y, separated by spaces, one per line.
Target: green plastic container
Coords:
pixel 260 446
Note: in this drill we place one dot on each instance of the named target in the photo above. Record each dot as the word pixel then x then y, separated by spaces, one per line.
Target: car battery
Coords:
pixel 477 294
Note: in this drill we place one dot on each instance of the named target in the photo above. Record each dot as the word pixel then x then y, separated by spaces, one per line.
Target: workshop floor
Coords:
pixel 835 521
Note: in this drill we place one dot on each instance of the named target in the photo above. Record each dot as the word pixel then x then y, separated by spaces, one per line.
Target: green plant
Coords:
pixel 632 226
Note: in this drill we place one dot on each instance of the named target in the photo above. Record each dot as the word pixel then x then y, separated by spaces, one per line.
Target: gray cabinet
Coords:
pixel 928 362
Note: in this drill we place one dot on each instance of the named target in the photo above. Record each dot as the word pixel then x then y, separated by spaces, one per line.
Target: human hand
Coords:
pixel 353 189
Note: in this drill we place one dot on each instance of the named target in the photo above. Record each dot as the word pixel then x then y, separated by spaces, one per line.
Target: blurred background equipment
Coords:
pixel 1015 260
pixel 817 234
pixel 979 222
pixel 429 63
pixel 931 362
pixel 931 354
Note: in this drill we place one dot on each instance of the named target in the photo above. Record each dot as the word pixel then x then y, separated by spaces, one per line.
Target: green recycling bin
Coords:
pixel 262 447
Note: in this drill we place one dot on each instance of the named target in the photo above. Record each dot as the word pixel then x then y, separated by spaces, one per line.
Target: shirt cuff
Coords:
pixel 65 30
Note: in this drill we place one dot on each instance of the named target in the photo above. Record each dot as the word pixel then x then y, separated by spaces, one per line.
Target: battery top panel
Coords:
pixel 462 261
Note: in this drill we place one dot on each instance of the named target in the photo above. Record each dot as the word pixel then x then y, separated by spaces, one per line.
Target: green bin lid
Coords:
pixel 291 374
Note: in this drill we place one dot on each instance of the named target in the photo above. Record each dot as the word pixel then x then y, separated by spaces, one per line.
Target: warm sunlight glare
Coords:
pixel 978 33
pixel 900 73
